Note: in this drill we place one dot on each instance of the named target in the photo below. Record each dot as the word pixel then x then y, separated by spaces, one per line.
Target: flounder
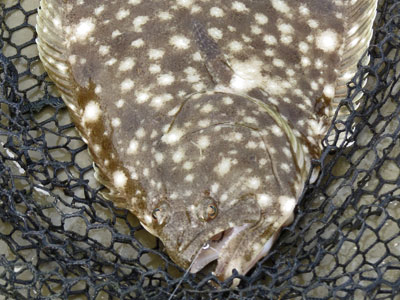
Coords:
pixel 202 117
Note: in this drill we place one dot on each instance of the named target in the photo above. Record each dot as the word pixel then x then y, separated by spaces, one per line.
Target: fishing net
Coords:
pixel 60 240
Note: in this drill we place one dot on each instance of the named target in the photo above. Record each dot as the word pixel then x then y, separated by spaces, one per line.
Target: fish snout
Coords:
pixel 216 233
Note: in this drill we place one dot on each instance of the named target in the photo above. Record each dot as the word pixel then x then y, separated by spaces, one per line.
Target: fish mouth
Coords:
pixel 215 246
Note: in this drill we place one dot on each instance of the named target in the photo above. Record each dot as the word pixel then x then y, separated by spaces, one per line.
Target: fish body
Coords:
pixel 202 117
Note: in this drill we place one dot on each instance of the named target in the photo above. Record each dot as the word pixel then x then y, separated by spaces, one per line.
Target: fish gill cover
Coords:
pixel 59 239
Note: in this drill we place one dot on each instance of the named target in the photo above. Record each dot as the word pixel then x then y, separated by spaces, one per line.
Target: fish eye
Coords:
pixel 159 214
pixel 212 212
pixel 209 210
pixel 156 213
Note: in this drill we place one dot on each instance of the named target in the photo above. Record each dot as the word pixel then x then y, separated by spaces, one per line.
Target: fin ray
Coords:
pixel 356 42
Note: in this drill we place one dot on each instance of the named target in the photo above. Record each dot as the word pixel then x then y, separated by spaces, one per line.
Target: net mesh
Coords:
pixel 60 240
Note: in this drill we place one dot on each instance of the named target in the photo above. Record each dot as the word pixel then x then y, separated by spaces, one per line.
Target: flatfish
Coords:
pixel 202 117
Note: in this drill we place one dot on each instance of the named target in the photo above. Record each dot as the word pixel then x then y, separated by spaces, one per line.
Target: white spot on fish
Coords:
pixel 327 41
pixel 178 156
pixel 287 204
pixel 164 16
pixel 159 157
pixel 120 179
pixel 159 101
pixel 120 103
pixel 256 29
pixel 239 6
pixel 127 85
pixel 122 14
pixel 137 43
pixel 215 33
pixel 134 2
pixel 203 142
pixel 216 12
pixel 303 9
pixel 329 91
pixel 223 166
pixel 235 46
pixel 165 79
pixel 305 61
pixel 187 165
pixel 104 50
pixel 127 64
pixel 285 167
pixel 261 18
pixel 115 34
pixel 270 39
pixel 173 136
pixel 180 42
pixel 84 28
pixel 156 53
pixel 276 130
pixel 281 6
pixel 92 112
pixel 254 183
pixel 185 3
pixel 140 133
pixel 207 108
pixel 96 148
pixel 115 122
pixel 286 28
pixel 142 97
pixel 111 61
pixel 189 177
pixel 227 100
pixel 312 23
pixel 154 68
pixel 133 147
pixel 286 39
pixel 278 62
pixel 303 46
pixel 98 10
pixel 138 22
pixel 264 200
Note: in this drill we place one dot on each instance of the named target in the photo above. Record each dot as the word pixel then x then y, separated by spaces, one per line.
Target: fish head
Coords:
pixel 223 177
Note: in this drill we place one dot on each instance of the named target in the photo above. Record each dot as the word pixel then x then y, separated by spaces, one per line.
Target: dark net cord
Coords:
pixel 60 240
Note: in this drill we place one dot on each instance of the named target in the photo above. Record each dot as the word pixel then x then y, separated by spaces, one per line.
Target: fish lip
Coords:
pixel 205 239
pixel 188 251
pixel 229 233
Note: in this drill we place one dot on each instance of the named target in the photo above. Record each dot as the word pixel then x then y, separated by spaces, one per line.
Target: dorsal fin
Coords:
pixel 54 54
pixel 358 33
pixel 52 49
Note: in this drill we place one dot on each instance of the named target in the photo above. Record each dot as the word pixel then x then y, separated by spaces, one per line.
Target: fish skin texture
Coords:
pixel 203 116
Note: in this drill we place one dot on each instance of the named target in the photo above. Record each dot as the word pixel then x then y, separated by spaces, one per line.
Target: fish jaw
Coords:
pixel 185 246
pixel 212 249
pixel 239 248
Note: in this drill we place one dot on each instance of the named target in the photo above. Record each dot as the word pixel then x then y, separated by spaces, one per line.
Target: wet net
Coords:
pixel 60 240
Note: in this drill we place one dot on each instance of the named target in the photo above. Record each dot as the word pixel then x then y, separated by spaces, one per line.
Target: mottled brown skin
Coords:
pixel 201 116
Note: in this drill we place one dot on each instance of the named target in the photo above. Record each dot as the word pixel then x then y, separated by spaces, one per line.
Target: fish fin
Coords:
pixel 357 38
pixel 52 48
pixel 53 52
pixel 356 41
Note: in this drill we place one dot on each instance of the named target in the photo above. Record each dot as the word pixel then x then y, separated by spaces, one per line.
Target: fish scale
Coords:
pixel 202 117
